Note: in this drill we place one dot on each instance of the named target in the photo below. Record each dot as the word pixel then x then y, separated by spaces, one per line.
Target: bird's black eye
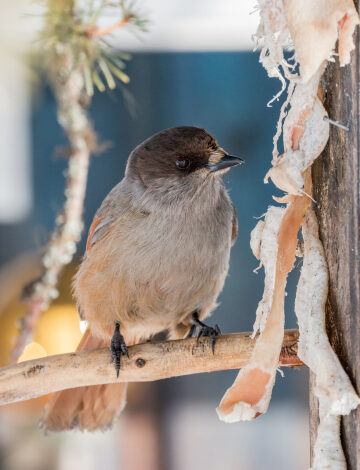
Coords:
pixel 183 164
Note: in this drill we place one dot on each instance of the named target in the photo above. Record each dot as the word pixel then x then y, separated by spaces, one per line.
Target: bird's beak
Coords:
pixel 225 162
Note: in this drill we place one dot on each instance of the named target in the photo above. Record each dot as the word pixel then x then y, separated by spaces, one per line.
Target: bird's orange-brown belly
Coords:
pixel 151 299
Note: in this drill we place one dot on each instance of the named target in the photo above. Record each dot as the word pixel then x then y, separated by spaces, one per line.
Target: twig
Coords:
pixel 96 32
pixel 68 85
pixel 147 362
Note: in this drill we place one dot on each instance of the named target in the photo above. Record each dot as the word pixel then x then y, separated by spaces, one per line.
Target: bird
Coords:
pixel 156 259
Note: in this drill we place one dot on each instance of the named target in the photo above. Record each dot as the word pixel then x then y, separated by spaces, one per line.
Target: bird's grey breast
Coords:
pixel 190 242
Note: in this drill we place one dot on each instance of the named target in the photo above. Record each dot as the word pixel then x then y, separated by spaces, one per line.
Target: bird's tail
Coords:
pixel 86 408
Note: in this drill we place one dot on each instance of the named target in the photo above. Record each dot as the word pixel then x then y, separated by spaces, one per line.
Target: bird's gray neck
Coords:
pixel 176 197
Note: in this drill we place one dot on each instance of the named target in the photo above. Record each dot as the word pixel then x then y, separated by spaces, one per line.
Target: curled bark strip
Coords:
pixel 250 394
pixel 315 28
pixel 305 134
pixel 264 243
pixel 147 362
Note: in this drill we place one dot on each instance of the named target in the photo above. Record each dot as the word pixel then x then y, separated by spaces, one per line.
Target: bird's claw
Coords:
pixel 211 333
pixel 199 329
pixel 118 348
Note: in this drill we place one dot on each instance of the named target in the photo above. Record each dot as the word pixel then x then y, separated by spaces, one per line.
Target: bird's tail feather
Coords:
pixel 86 408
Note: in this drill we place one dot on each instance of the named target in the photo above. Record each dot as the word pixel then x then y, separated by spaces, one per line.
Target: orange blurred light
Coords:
pixel 58 330
pixel 32 351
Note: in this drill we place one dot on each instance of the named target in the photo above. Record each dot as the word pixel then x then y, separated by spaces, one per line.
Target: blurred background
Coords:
pixel 195 66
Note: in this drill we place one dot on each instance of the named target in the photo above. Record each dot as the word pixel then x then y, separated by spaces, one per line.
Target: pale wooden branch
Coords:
pixel 147 362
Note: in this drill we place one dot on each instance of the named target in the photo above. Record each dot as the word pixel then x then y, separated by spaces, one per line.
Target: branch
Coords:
pixel 68 84
pixel 147 362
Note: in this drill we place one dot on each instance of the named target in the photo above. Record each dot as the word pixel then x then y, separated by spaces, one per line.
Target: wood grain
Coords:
pixel 146 362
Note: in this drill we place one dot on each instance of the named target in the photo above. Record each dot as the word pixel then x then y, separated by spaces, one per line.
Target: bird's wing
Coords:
pixel 234 232
pixel 114 206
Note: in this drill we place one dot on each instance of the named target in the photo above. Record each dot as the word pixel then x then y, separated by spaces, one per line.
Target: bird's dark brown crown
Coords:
pixel 174 152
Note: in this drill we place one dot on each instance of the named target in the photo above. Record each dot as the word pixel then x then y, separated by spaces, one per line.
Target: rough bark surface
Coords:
pixel 336 192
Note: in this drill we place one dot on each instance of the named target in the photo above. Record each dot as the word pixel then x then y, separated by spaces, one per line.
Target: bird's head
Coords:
pixel 178 157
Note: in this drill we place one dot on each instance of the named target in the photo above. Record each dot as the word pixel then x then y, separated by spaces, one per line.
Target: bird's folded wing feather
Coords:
pixel 98 228
pixel 234 232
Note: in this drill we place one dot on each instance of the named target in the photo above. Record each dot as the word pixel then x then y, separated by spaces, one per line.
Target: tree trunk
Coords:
pixel 336 192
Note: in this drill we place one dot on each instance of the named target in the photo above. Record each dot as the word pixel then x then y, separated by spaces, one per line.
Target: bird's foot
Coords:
pixel 117 348
pixel 199 329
